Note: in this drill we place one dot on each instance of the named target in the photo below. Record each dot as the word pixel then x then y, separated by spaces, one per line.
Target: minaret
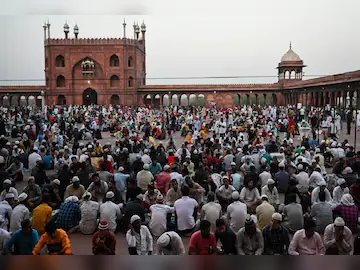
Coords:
pixel 137 31
pixel 143 30
pixel 76 31
pixel 134 26
pixel 124 29
pixel 66 30
pixel 48 28
pixel 44 26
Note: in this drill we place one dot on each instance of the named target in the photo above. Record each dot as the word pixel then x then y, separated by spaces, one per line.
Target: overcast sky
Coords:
pixel 191 38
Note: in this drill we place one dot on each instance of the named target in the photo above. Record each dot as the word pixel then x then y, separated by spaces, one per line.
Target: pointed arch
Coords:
pixel 184 100
pixel 114 81
pixel 201 100
pixel 130 61
pixel 60 61
pixel 114 61
pixel 60 81
pixel 192 100
pixel 236 100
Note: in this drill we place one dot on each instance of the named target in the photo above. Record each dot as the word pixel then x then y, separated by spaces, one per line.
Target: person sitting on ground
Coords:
pixel 97 188
pixel 34 193
pixel 272 193
pixel 7 188
pixel 337 237
pixel 89 213
pixel 185 210
pixel 139 238
pixel 317 190
pixel 41 215
pixel 159 216
pixel 53 190
pixel 170 243
pixel 293 215
pixel 306 241
pixel 227 238
pixel 276 237
pixel 250 196
pixel 74 189
pixel 249 239
pixel 103 241
pixel 173 193
pixel 264 212
pixel 224 192
pixel 23 240
pixel 202 242
pixel 150 196
pixel 4 234
pixel 348 211
pixel 19 213
pixel 211 211
pixel 110 212
pixel 15 170
pixel 322 213
pixel 236 213
pixel 144 178
pixel 69 215
pixel 56 241
pixel 339 191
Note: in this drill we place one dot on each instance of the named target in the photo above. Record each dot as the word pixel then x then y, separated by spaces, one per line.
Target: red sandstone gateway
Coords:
pixel 113 71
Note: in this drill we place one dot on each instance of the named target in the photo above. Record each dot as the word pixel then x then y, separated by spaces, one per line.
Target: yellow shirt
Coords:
pixel 264 214
pixel 41 216
pixel 98 149
pixel 60 244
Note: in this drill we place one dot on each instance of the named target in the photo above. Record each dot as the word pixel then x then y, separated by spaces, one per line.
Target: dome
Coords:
pixel 290 56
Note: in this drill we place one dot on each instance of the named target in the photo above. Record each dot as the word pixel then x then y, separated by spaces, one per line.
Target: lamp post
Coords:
pixel 42 99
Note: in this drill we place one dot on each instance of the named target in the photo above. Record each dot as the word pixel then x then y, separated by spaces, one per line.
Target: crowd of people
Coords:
pixel 248 180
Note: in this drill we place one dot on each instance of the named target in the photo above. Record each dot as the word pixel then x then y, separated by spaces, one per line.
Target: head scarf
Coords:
pixel 72 199
pixel 347 199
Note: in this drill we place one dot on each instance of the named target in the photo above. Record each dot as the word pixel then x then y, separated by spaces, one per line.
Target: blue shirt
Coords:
pixel 236 181
pixel 155 169
pixel 47 162
pixel 120 181
pixel 23 244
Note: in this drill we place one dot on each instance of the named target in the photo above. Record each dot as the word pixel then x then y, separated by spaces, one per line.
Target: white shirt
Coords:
pixel 184 209
pixel 177 176
pixel 143 244
pixel 249 195
pixel 4 237
pixel 315 179
pixel 211 212
pixel 11 190
pixel 33 158
pixel 273 196
pixel 337 194
pixel 226 192
pixel 146 159
pixel 5 211
pixel 264 177
pixel 110 212
pixel 176 243
pixel 345 246
pixel 19 213
pixel 315 195
pixel 158 222
pixel 236 215
pixel 89 213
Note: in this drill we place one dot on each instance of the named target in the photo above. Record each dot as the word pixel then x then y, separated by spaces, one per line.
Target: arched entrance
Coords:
pixel 61 100
pixel 89 97
pixel 115 100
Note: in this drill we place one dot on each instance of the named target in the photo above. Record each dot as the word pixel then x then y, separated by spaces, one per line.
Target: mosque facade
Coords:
pixel 113 71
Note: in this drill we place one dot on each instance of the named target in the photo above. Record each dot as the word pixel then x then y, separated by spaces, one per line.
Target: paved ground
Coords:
pixel 81 244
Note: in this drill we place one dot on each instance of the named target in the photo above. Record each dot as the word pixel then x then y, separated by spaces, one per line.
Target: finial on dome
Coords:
pixel 290 45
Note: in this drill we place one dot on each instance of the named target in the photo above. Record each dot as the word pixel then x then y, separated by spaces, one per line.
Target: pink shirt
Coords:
pixel 301 245
pixel 163 181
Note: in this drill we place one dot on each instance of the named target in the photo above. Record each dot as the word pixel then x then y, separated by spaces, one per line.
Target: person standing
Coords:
pixel 139 238
pixel 202 242
pixel 103 241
